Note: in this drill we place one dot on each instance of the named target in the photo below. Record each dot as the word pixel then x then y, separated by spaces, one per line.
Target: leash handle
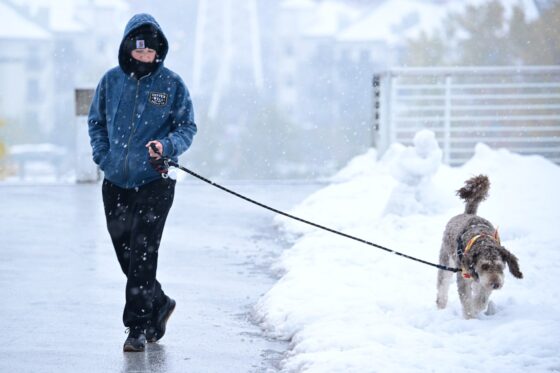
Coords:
pixel 155 149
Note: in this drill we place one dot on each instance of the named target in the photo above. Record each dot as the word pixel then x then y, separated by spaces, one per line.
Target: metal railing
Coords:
pixel 517 108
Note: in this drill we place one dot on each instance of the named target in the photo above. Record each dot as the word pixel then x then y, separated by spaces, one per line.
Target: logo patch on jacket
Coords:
pixel 159 99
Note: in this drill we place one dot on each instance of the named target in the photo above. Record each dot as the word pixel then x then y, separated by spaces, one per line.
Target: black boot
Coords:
pixel 136 341
pixel 157 328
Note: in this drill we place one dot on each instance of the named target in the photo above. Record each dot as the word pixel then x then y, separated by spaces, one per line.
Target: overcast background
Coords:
pixel 282 89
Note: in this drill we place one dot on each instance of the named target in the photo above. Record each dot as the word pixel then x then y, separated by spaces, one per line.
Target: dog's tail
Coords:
pixel 474 192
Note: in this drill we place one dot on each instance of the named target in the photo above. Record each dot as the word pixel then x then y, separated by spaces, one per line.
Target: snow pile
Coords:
pixel 414 170
pixel 348 307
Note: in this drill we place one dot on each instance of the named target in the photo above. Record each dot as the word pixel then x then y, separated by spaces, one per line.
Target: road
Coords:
pixel 62 291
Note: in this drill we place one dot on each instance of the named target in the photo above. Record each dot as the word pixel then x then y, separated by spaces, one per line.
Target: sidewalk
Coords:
pixel 62 290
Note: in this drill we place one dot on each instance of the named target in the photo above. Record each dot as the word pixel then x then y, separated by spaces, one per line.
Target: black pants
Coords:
pixel 135 220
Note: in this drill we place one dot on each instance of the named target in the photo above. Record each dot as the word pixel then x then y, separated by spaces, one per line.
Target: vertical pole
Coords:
pixel 391 112
pixel 86 170
pixel 384 113
pixel 199 40
pixel 447 122
pixel 256 45
pixel 224 71
pixel 376 102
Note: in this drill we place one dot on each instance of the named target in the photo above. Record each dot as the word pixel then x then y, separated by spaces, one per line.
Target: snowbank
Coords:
pixel 348 307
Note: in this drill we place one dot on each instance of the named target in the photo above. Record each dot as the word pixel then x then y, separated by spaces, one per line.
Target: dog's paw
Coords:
pixel 468 316
pixel 491 310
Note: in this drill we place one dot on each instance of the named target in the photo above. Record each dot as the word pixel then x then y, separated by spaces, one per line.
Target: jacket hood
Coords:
pixel 143 20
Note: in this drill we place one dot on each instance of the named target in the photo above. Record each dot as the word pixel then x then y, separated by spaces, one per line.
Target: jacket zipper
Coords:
pixel 131 132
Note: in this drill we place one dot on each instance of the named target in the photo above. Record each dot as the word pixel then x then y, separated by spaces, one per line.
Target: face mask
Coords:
pixel 141 69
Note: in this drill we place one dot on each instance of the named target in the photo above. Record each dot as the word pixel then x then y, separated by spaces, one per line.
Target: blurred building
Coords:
pixel 26 50
pixel 281 88
pixel 327 52
pixel 47 50
pixel 293 76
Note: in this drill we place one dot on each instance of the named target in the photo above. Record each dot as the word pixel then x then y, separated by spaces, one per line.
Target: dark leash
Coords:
pixel 170 163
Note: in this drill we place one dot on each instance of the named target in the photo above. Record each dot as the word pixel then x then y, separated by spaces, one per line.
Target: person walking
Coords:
pixel 138 106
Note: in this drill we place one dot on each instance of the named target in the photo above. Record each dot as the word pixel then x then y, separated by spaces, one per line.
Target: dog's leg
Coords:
pixel 443 279
pixel 443 282
pixel 480 299
pixel 465 295
pixel 491 310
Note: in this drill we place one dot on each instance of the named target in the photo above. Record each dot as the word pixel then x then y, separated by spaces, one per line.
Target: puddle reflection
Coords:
pixel 154 359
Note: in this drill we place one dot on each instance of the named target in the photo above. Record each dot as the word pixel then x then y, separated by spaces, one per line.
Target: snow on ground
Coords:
pixel 348 307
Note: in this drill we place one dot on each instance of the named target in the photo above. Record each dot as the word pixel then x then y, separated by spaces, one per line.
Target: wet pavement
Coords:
pixel 62 292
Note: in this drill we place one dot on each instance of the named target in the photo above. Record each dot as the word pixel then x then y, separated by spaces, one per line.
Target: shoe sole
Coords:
pixel 154 340
pixel 129 348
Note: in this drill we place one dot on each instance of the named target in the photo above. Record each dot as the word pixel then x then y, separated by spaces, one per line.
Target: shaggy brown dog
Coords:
pixel 472 243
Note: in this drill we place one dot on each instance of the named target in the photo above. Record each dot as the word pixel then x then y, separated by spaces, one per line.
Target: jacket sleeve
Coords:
pixel 97 123
pixel 183 127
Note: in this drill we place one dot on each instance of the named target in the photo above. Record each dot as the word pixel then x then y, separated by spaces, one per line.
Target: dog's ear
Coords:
pixel 512 262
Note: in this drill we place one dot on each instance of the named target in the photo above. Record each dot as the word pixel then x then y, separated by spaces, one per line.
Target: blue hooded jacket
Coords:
pixel 126 113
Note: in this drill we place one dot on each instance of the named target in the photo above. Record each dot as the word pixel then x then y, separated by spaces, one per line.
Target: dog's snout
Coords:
pixel 496 285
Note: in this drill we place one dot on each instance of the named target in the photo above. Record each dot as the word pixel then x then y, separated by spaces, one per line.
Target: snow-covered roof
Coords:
pixel 329 18
pixel 60 13
pixel 15 26
pixel 64 15
pixel 393 21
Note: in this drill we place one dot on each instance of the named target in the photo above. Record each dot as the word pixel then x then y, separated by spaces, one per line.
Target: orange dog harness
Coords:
pixel 496 236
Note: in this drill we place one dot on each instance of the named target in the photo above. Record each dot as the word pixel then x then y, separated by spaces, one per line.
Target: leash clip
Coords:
pixel 165 174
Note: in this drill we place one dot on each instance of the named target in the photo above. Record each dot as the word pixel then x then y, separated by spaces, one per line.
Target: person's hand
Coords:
pixel 151 151
pixel 160 165
pixel 156 160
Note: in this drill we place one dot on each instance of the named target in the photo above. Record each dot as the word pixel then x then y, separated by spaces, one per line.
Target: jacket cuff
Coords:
pixel 167 147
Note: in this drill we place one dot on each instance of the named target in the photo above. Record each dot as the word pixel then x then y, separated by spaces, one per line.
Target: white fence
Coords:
pixel 517 108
